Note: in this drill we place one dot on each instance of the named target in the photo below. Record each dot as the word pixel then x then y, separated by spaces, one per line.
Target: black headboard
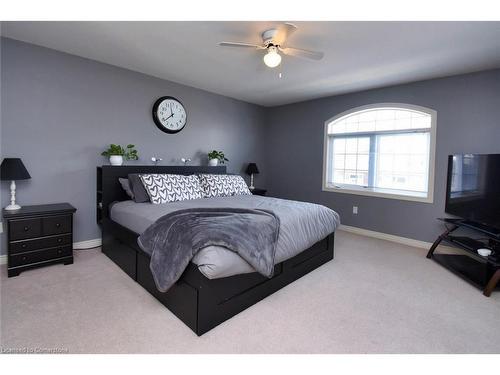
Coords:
pixel 109 189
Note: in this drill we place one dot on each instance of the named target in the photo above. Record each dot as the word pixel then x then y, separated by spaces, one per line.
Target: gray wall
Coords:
pixel 59 111
pixel 468 120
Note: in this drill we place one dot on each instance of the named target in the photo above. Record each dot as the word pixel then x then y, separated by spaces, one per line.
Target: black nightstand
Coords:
pixel 38 236
pixel 258 191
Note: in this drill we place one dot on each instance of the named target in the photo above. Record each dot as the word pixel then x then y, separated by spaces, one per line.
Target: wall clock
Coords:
pixel 169 114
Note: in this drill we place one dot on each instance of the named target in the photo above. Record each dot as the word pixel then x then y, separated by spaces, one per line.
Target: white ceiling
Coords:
pixel 358 55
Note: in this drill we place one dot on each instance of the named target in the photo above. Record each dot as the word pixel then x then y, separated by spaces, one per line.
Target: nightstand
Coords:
pixel 258 191
pixel 38 236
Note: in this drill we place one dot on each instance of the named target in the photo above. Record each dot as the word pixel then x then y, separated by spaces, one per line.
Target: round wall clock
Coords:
pixel 169 114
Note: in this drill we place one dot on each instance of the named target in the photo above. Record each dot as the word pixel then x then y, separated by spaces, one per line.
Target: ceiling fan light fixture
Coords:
pixel 272 58
pixel 273 41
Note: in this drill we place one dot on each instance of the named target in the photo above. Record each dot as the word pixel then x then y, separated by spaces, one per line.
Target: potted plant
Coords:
pixel 215 157
pixel 116 153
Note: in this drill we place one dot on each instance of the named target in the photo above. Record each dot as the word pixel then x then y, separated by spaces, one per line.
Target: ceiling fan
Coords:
pixel 274 42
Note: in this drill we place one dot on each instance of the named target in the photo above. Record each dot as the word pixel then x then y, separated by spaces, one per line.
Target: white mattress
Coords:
pixel 301 225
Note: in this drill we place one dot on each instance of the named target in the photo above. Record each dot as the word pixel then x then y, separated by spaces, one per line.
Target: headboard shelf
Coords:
pixel 109 190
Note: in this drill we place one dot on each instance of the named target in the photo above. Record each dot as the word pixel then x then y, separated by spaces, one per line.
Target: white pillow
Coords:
pixel 164 188
pixel 223 185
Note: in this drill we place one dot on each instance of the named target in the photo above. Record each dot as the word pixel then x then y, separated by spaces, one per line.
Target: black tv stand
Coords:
pixel 467 242
pixel 479 227
pixel 483 272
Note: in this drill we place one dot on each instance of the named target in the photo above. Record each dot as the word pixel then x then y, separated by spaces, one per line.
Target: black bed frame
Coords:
pixel 199 302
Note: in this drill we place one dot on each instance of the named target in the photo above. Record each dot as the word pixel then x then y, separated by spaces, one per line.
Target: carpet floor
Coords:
pixel 374 297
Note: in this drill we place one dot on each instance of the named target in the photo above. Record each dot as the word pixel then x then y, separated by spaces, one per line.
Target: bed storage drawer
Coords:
pixel 224 289
pixel 306 256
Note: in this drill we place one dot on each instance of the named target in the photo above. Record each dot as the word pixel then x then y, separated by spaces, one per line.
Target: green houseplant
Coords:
pixel 116 153
pixel 215 157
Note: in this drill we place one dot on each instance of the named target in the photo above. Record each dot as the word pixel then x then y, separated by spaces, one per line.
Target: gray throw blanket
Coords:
pixel 174 239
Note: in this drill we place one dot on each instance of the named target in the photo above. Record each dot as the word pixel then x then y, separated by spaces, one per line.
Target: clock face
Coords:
pixel 169 114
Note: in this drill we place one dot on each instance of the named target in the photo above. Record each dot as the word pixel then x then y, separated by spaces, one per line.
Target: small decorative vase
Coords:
pixel 116 160
pixel 213 162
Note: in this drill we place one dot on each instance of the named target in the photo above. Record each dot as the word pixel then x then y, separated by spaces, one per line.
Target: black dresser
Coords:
pixel 38 236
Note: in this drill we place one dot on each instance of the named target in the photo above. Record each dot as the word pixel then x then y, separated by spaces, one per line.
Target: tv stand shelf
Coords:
pixel 482 272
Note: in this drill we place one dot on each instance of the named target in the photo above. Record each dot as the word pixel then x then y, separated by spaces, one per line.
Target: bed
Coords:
pixel 217 284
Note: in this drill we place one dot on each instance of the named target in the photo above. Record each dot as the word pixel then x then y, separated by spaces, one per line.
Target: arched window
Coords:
pixel 382 150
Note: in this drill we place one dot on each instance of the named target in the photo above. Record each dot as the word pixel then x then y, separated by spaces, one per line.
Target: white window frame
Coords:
pixel 377 192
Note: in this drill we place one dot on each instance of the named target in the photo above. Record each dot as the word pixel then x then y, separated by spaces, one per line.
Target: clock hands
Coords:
pixel 171 113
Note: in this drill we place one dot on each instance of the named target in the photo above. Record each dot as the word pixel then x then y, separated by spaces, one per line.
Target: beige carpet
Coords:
pixel 374 297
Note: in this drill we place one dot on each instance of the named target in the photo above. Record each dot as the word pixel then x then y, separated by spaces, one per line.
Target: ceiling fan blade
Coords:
pixel 291 51
pixel 240 44
pixel 283 32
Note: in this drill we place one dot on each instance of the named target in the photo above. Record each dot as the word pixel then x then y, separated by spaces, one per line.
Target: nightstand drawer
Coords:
pixel 39 243
pixel 40 256
pixel 56 224
pixel 25 228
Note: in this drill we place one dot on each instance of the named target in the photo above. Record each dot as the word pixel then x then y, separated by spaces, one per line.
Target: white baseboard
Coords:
pixel 385 236
pixel 89 244
pixel 393 238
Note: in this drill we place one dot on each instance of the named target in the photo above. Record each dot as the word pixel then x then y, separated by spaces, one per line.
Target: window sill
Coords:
pixel 381 193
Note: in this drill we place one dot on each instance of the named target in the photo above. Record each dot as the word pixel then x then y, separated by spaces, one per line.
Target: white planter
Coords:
pixel 213 162
pixel 116 160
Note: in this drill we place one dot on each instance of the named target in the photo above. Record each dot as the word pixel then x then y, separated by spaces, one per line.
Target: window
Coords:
pixel 383 150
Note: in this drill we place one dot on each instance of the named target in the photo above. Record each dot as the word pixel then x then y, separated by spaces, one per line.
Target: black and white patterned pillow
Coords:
pixel 164 188
pixel 223 185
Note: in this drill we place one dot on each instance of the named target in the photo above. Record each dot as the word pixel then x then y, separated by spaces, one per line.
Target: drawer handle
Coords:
pixel 26 228
pixel 24 246
pixel 24 258
pixel 59 240
pixel 59 251
pixel 58 225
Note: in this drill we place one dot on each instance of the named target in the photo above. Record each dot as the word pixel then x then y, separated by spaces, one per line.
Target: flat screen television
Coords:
pixel 473 190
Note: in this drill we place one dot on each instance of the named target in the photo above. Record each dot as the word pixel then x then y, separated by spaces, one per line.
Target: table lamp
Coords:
pixel 13 169
pixel 251 170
